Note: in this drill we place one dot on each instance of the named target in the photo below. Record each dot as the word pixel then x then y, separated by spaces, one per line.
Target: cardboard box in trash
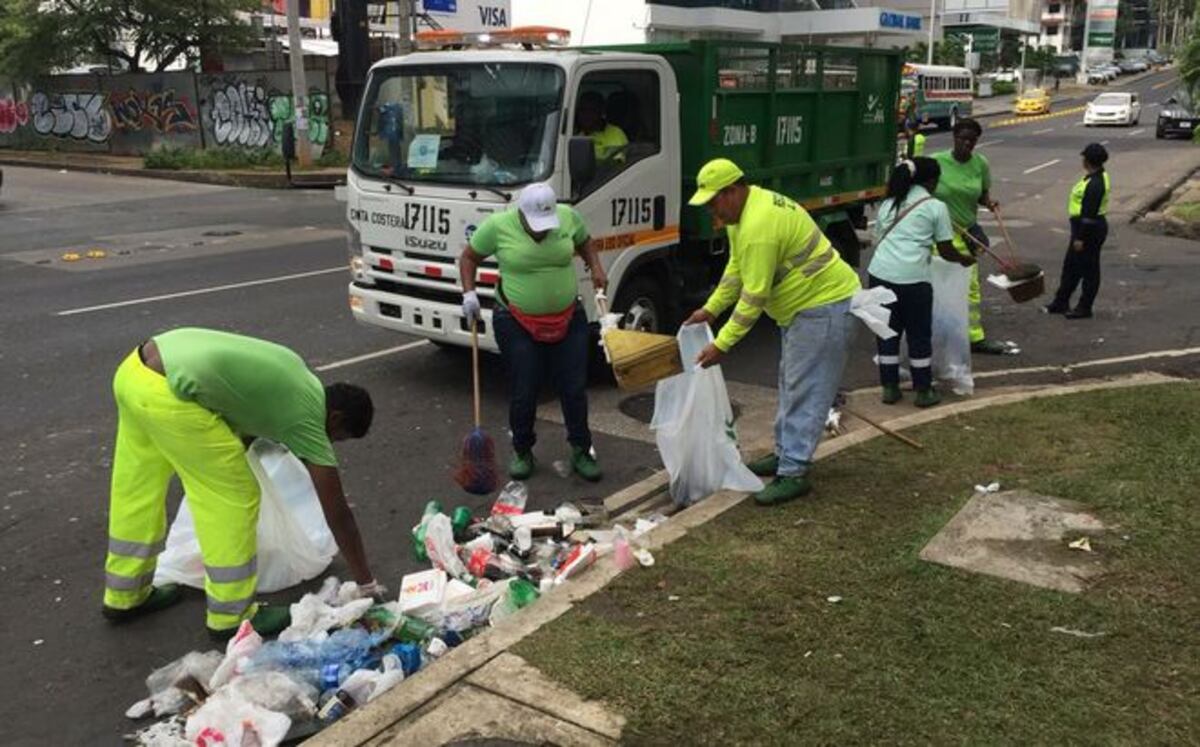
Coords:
pixel 421 592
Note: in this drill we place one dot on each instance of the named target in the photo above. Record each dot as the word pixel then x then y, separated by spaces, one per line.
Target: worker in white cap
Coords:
pixel 539 324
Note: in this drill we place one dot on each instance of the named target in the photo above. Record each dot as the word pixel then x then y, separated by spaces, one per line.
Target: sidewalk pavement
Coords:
pixel 104 163
pixel 482 693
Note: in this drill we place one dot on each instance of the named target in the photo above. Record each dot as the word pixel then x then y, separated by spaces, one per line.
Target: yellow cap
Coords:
pixel 715 175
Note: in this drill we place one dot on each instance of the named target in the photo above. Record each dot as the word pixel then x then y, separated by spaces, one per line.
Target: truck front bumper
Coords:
pixel 441 323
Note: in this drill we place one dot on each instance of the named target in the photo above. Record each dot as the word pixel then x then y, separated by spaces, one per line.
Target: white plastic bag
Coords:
pixel 693 427
pixel 294 542
pixel 870 306
pixel 244 644
pixel 951 343
pixel 226 720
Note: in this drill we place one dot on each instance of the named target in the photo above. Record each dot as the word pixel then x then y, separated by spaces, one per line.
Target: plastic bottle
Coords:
pixel 355 691
pixel 317 663
pixel 483 563
pixel 433 508
pixel 461 520
pixel 511 500
pixel 409 655
pixel 412 630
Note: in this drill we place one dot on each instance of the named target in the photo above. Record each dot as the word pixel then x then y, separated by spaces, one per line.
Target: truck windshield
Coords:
pixel 485 124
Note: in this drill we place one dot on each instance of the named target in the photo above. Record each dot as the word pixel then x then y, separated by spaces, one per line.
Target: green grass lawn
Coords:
pixel 752 652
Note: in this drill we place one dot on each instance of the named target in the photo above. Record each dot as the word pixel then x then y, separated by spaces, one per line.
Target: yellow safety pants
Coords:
pixel 160 435
pixel 974 295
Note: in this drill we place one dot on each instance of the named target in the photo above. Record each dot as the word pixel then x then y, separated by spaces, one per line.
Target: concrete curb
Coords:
pixel 1159 197
pixel 250 179
pixel 366 724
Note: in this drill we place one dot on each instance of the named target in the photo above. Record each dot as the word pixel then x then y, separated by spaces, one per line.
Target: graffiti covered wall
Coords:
pixel 249 110
pixel 135 114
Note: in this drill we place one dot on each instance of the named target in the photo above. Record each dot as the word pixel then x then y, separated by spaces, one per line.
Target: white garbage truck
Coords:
pixel 447 136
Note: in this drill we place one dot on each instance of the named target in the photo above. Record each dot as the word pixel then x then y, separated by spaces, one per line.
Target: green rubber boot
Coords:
pixel 782 490
pixel 927 397
pixel 160 598
pixel 765 467
pixel 521 466
pixel 891 394
pixel 267 621
pixel 584 464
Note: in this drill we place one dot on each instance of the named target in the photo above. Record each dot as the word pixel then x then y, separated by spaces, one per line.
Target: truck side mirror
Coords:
pixel 581 161
pixel 288 142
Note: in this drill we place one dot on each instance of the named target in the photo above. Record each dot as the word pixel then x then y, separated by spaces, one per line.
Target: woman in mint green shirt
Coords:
pixel 541 328
pixel 910 221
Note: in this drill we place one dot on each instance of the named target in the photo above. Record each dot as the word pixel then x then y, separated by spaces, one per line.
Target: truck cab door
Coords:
pixel 631 201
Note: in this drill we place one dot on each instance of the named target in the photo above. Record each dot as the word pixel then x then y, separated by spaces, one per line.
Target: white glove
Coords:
pixel 373 589
pixel 470 305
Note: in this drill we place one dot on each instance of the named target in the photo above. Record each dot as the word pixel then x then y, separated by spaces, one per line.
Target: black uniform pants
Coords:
pixel 912 318
pixel 1082 267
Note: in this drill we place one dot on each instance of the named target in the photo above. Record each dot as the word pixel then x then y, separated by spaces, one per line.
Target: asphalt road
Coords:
pixel 172 253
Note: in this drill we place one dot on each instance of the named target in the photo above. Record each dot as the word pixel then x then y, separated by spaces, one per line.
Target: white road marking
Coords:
pixel 1045 165
pixel 1043 131
pixel 371 356
pixel 990 142
pixel 1138 131
pixel 201 291
pixel 1180 353
pixel 1105 142
pixel 1151 106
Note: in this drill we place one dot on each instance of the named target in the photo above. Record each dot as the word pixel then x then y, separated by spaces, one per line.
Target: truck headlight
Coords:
pixel 354 249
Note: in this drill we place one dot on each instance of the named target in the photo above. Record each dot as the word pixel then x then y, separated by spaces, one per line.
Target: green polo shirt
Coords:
pixel 259 388
pixel 536 277
pixel 961 185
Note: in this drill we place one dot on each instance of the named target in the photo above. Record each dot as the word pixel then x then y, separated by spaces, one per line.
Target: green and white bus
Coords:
pixel 938 94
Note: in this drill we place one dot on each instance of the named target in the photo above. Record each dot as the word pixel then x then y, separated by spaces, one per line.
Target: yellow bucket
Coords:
pixel 641 358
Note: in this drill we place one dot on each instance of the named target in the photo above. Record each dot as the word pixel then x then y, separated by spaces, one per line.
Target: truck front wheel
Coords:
pixel 644 302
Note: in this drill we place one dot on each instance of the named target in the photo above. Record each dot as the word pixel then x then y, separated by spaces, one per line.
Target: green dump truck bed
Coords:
pixel 815 123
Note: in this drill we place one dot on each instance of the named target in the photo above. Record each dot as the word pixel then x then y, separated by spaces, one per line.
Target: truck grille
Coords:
pixel 451 296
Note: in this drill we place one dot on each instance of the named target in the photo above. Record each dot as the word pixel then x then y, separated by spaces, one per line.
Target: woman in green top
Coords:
pixel 965 184
pixel 539 324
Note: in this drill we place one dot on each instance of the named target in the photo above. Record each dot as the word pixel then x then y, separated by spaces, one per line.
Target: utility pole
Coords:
pixel 1021 77
pixel 932 23
pixel 405 14
pixel 299 86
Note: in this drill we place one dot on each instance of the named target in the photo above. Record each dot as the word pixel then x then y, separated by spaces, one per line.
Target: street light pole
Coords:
pixel 299 98
pixel 932 19
pixel 1021 78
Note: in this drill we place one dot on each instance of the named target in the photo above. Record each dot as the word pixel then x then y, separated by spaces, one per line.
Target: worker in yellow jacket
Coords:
pixel 780 263
pixel 188 400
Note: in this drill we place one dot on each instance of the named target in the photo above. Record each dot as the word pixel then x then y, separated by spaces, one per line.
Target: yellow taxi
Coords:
pixel 1035 101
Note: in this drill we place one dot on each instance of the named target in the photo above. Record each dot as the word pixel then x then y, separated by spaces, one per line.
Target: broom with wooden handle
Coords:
pixel 477 464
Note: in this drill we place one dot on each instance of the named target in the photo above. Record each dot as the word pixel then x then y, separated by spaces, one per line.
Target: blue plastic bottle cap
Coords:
pixel 409 655
pixel 329 676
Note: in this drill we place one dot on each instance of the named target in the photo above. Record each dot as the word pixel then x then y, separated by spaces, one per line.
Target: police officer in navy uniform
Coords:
pixel 1087 208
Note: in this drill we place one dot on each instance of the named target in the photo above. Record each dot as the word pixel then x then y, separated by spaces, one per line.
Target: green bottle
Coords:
pixel 412 630
pixel 460 521
pixel 522 593
pixel 433 508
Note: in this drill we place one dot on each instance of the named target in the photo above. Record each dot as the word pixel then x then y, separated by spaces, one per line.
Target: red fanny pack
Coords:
pixel 544 327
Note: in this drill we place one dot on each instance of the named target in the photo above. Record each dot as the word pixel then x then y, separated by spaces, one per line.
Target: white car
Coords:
pixel 1113 108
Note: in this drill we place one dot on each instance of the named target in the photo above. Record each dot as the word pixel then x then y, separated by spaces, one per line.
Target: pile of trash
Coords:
pixel 344 649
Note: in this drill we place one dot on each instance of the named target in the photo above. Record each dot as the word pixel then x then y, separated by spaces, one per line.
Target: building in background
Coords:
pixel 1058 17
pixel 882 24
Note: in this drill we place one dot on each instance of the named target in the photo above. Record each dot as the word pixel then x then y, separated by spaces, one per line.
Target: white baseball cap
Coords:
pixel 539 205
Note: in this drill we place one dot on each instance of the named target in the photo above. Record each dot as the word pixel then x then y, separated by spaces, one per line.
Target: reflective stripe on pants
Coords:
pixel 159 435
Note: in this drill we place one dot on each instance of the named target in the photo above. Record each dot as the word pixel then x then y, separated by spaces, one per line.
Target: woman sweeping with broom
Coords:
pixel 541 328
pixel 911 220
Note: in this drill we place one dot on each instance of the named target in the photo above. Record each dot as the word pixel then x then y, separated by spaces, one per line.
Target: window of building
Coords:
pixel 1052 30
pixel 1054 8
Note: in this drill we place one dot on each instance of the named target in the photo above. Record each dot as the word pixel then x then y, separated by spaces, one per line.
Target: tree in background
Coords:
pixel 39 35
pixel 948 52
pixel 1188 59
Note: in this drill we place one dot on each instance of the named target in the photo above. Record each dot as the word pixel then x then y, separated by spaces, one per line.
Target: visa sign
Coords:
pixel 469 15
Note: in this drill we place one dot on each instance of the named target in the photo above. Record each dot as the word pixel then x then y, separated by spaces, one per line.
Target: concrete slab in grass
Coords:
pixel 470 715
pixel 1023 537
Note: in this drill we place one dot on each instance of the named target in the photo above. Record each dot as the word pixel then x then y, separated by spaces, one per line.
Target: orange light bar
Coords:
pixel 531 36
